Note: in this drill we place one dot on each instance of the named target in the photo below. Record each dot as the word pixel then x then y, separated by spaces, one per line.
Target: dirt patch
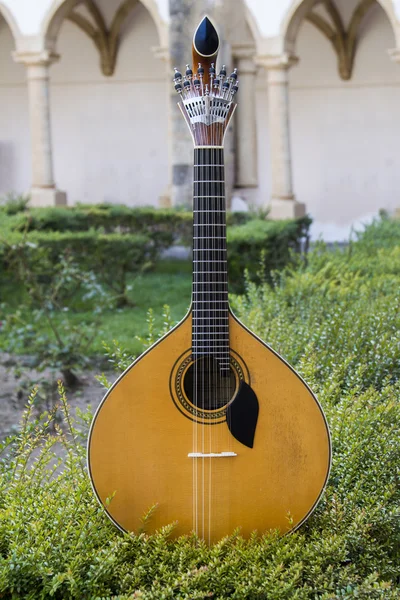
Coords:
pixel 16 383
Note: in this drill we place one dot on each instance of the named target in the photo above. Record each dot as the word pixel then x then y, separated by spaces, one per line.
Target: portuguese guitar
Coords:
pixel 210 426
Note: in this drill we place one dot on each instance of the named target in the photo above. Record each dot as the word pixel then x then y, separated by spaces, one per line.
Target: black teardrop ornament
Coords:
pixel 206 40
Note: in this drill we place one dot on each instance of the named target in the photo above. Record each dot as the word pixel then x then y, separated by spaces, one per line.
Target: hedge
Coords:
pixel 262 246
pixel 110 256
pixel 111 217
pixel 258 245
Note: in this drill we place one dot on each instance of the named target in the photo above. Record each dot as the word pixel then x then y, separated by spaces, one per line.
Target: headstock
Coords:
pixel 206 98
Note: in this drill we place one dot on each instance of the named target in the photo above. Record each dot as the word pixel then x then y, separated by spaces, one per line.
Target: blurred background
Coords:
pixel 88 110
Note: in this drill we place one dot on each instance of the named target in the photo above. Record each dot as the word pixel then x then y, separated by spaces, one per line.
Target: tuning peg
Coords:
pixel 177 76
pixel 189 72
pixel 222 72
pixel 234 90
pixel 234 75
pixel 200 71
pixel 225 88
pixel 186 87
pixel 178 88
pixel 212 70
pixel 196 84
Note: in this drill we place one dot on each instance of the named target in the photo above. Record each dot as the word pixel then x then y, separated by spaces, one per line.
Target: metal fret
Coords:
pixel 210 261
pixel 211 310
pixel 223 334
pixel 211 302
pixel 214 353
pixel 209 165
pixel 210 181
pixel 209 347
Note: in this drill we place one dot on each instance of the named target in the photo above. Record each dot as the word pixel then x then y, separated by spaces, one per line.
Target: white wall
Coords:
pixel 110 133
pixel 15 169
pixel 345 135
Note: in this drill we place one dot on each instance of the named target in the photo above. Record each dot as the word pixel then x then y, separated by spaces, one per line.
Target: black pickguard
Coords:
pixel 242 415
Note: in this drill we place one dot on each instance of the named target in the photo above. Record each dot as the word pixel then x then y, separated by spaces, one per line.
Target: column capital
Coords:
pixel 281 62
pixel 244 54
pixel 395 54
pixel 38 59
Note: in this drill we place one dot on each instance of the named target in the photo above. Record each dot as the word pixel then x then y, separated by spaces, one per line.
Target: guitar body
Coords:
pixel 144 430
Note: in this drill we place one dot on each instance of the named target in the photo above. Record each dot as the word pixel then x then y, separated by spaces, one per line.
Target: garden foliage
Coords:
pixel 337 320
pixel 114 241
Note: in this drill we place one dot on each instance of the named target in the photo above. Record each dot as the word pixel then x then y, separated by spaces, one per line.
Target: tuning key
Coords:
pixel 177 76
pixel 196 83
pixel 234 90
pixel 225 88
pixel 189 72
pixel 234 75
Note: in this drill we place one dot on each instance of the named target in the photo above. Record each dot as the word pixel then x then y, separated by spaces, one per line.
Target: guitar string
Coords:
pixel 195 379
pixel 209 207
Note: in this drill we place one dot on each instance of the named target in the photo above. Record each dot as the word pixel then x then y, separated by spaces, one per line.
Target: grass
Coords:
pixel 169 283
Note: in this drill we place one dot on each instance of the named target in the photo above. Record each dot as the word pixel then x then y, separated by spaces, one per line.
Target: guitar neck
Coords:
pixel 210 273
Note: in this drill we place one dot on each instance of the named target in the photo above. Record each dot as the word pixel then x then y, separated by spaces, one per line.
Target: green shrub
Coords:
pixel 110 217
pixel 110 256
pixel 164 226
pixel 342 308
pixel 336 320
pixel 12 203
pixel 261 246
pixel 55 540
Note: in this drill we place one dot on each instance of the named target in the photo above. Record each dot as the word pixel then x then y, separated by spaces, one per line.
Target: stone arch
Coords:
pixel 252 25
pixel 11 22
pixel 60 9
pixel 298 10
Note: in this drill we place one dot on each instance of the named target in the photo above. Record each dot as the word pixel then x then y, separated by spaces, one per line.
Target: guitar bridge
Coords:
pixel 211 454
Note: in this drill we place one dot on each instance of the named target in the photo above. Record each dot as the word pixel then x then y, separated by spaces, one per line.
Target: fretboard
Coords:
pixel 210 335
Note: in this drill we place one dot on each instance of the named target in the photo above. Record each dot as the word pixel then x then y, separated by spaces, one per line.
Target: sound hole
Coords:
pixel 207 386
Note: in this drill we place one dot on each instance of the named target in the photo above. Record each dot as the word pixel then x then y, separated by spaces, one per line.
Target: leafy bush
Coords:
pixel 381 233
pixel 11 203
pixel 57 542
pixel 51 291
pixel 261 246
pixel 111 217
pixel 335 319
pixel 110 256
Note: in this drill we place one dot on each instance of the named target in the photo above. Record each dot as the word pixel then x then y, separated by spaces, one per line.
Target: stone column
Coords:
pixel 43 190
pixel 246 133
pixel 283 201
pixel 162 53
